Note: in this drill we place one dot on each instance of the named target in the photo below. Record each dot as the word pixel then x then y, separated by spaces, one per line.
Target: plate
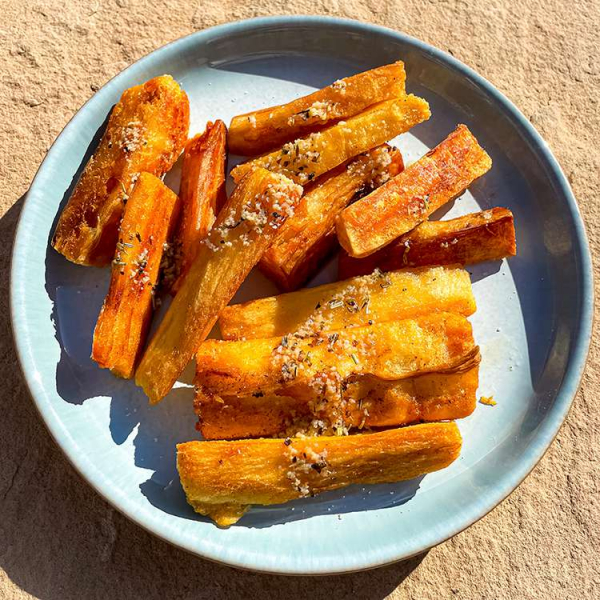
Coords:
pixel 533 321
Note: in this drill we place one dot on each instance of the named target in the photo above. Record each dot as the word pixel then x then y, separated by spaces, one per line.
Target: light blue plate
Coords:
pixel 533 322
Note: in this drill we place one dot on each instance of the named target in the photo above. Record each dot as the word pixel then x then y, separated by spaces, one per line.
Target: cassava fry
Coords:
pixel 146 131
pixel 365 402
pixel 202 193
pixel 242 232
pixel 221 479
pixel 331 307
pixel 471 239
pixel 308 237
pixel 120 333
pixel 409 198
pixel 262 130
pixel 394 350
pixel 305 159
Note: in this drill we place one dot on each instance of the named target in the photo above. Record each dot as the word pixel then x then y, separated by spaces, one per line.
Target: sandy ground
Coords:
pixel 59 540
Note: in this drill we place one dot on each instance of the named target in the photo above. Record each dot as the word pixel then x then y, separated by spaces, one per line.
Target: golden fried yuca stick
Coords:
pixel 365 403
pixel 409 198
pixel 122 326
pixel 243 230
pixel 307 158
pixel 202 193
pixel 394 350
pixel 221 479
pixel 331 307
pixel 146 131
pixel 262 130
pixel 308 237
pixel 474 238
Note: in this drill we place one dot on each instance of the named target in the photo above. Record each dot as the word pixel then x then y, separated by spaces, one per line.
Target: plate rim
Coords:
pixel 547 430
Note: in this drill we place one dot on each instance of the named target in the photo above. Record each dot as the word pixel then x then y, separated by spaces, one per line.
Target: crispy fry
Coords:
pixel 262 130
pixel 467 240
pixel 242 232
pixel 146 131
pixel 221 479
pixel 377 298
pixel 305 159
pixel 364 403
pixel 308 237
pixel 122 326
pixel 438 342
pixel 409 198
pixel 202 193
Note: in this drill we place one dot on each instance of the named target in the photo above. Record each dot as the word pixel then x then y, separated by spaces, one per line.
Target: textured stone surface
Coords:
pixel 59 540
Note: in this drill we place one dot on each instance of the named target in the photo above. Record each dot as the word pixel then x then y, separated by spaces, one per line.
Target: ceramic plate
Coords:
pixel 533 320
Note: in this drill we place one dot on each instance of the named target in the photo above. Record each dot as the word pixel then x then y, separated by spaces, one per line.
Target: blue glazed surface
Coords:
pixel 533 321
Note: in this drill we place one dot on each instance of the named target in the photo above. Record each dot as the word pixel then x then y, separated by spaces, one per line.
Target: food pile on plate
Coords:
pixel 357 381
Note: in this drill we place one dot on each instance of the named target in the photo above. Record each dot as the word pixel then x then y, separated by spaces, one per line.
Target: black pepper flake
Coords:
pixel 258 394
pixel 287 441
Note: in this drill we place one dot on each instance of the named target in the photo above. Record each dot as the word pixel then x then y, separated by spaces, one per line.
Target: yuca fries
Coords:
pixel 221 479
pixel 373 298
pixel 259 131
pixel 202 193
pixel 146 132
pixel 438 342
pixel 308 237
pixel 363 403
pixel 305 159
pixel 471 239
pixel 409 198
pixel 120 333
pixel 242 232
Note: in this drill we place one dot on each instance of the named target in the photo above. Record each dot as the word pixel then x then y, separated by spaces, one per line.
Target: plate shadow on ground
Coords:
pixel 68 500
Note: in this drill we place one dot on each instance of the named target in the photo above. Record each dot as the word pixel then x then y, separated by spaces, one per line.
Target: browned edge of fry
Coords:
pixel 409 198
pixel 202 193
pixel 221 478
pixel 146 132
pixel 477 237
pixel 120 333
pixel 368 403
pixel 244 229
pixel 258 131
pixel 308 238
